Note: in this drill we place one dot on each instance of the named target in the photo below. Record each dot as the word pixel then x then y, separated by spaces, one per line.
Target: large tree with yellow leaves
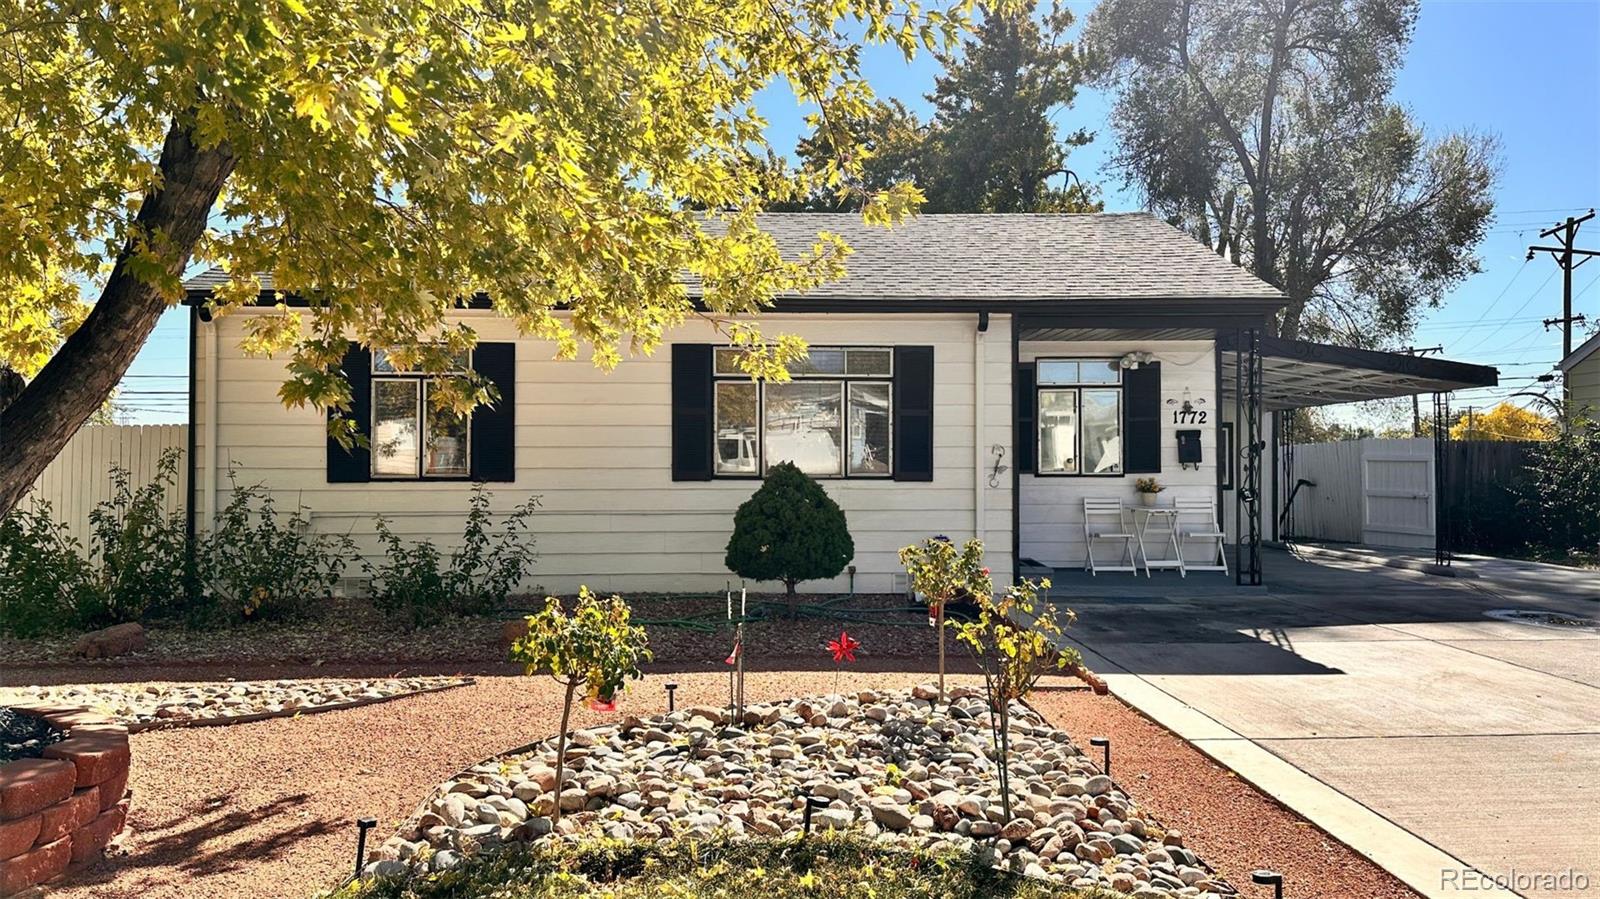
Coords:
pixel 386 160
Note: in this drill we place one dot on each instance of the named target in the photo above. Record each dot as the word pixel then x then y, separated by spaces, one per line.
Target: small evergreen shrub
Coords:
pixel 414 581
pixel 256 564
pixel 46 579
pixel 790 531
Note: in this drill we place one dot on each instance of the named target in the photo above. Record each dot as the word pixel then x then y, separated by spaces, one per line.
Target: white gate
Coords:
pixel 1397 495
pixel 1374 491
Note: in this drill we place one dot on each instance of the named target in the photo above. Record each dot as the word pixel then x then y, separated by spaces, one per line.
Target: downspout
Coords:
pixel 1016 470
pixel 978 481
pixel 190 580
pixel 213 366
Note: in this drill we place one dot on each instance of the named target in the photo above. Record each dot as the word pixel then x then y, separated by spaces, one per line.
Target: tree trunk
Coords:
pixel 1005 756
pixel 938 625
pixel 79 378
pixel 561 747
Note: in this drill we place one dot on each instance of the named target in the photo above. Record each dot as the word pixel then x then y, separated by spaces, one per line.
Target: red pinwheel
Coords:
pixel 844 648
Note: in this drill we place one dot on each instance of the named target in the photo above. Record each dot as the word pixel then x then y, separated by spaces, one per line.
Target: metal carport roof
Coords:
pixel 1299 373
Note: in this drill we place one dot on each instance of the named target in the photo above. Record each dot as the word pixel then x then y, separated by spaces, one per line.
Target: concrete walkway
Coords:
pixel 1386 705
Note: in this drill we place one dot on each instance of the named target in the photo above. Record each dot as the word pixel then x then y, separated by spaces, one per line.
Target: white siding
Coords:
pixel 1052 507
pixel 595 447
pixel 1583 386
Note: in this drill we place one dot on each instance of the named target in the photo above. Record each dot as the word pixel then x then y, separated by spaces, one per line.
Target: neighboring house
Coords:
pixel 1580 372
pixel 972 375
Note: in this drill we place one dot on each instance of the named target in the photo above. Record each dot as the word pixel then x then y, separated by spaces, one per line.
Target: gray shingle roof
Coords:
pixel 1004 257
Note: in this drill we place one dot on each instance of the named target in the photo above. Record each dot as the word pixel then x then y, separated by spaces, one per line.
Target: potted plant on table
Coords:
pixel 1148 489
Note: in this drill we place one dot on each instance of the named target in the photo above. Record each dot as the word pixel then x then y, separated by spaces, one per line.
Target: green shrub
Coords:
pixel 46 579
pixel 1564 489
pixel 824 866
pixel 138 549
pixel 789 531
pixel 414 581
pixel 256 564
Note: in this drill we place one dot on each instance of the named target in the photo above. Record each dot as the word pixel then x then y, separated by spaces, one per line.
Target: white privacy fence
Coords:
pixel 80 477
pixel 1375 491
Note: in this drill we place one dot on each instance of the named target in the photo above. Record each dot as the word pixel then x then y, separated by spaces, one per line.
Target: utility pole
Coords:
pixel 1416 409
pixel 1565 233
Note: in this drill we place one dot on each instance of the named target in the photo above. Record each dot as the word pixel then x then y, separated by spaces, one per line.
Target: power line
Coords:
pixel 1525 305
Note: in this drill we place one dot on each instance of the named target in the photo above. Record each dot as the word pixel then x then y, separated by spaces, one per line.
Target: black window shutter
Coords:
pixel 691 412
pixel 1141 393
pixel 913 413
pixel 494 428
pixel 354 465
pixel 1027 437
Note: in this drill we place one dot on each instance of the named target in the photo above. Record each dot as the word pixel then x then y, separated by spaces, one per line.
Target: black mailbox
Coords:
pixel 1189 448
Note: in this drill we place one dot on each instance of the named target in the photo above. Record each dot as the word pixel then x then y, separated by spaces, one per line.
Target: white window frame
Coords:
pixel 1076 387
pixel 844 380
pixel 425 383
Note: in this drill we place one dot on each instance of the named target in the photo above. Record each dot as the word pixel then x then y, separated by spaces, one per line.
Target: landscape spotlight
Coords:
pixel 672 687
pixel 362 826
pixel 1105 744
pixel 1269 878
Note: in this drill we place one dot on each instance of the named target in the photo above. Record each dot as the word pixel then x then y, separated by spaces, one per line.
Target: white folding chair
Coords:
pixel 1197 521
pixel 1103 520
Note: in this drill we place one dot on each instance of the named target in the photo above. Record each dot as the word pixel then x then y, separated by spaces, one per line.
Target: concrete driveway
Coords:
pixel 1479 737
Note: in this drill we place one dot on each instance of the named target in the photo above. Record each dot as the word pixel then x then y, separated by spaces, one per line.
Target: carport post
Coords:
pixel 1247 492
pixel 1443 520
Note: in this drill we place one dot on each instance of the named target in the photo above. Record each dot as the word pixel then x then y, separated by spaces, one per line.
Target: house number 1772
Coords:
pixel 1189 417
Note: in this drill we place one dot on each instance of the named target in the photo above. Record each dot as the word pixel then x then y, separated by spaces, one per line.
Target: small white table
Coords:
pixel 1166 520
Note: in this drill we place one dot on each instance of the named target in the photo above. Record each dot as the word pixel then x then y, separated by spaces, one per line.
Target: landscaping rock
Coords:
pixel 117 640
pixel 690 773
pixel 180 703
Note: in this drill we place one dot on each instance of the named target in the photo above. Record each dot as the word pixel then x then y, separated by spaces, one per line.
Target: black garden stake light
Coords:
pixel 1269 878
pixel 362 826
pixel 812 802
pixel 672 687
pixel 1105 744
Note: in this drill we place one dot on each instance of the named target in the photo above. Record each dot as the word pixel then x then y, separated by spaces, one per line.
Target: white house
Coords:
pixel 1580 373
pixel 972 375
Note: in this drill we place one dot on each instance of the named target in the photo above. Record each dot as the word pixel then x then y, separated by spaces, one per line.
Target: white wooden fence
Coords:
pixel 1374 491
pixel 80 477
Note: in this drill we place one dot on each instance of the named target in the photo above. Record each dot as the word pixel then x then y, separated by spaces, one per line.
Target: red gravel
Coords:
pixel 1234 827
pixel 268 809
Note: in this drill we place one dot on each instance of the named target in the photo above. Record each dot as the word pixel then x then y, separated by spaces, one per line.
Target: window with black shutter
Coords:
pixel 409 437
pixel 1078 420
pixel 846 412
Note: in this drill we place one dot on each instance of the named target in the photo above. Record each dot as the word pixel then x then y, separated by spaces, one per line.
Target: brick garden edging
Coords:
pixel 62 809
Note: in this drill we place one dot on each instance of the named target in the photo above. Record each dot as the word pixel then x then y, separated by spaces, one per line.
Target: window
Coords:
pixel 832 420
pixel 411 439
pixel 1080 416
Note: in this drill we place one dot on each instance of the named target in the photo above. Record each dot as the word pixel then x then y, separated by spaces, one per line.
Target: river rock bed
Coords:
pixel 169 704
pixel 899 766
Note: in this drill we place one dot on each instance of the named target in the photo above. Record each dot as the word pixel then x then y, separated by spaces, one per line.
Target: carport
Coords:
pixel 1266 377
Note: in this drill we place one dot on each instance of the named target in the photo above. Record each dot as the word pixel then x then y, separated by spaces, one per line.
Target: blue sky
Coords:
pixel 1528 72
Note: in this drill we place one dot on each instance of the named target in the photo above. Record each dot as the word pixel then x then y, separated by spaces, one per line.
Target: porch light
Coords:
pixel 1105 745
pixel 1269 878
pixel 362 826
